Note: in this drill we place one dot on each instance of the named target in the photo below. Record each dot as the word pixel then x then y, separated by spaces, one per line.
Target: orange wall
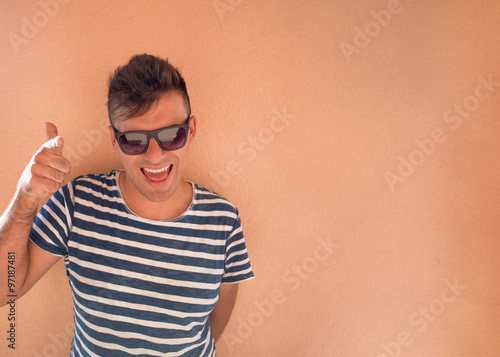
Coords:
pixel 359 139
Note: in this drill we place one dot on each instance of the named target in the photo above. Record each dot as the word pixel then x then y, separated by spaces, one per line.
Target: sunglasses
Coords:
pixel 137 142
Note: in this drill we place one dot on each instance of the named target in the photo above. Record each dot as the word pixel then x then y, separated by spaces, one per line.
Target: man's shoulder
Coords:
pixel 97 178
pixel 98 182
pixel 211 200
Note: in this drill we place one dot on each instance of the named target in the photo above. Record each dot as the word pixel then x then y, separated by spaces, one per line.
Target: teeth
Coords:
pixel 157 171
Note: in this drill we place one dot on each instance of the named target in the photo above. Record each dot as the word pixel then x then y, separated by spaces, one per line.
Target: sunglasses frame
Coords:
pixel 152 134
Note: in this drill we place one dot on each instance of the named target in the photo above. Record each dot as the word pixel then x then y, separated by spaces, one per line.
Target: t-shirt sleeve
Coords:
pixel 52 225
pixel 237 263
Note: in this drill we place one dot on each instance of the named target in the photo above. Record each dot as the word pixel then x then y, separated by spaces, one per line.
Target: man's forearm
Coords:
pixel 15 225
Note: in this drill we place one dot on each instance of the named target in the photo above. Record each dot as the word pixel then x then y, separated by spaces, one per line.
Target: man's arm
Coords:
pixel 44 175
pixel 219 317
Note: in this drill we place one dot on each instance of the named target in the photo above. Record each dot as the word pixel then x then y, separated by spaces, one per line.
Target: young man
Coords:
pixel 153 261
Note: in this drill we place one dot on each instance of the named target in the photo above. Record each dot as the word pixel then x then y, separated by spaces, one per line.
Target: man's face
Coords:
pixel 148 174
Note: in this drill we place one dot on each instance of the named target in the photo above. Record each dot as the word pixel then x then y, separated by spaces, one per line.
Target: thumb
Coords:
pixel 50 130
pixel 54 143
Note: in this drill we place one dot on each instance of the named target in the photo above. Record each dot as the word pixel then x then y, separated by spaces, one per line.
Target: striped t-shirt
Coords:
pixel 141 287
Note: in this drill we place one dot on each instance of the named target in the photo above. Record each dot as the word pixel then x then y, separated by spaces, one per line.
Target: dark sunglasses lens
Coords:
pixel 133 143
pixel 172 138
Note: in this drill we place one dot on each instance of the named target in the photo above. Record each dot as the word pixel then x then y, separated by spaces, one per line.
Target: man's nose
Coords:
pixel 154 152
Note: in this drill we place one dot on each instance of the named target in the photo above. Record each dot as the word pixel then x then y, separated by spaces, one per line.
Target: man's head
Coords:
pixel 149 112
pixel 138 86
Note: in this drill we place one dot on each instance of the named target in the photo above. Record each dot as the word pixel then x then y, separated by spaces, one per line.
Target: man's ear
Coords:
pixel 113 140
pixel 192 128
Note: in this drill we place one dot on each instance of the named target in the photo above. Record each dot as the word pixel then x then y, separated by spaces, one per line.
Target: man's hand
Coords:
pixel 47 169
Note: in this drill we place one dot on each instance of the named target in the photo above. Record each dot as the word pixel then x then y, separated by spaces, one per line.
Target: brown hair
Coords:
pixel 137 86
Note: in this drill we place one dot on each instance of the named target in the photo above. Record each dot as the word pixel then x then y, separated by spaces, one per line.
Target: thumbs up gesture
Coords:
pixel 47 169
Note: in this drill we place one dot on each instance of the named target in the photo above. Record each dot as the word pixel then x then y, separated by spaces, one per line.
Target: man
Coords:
pixel 153 261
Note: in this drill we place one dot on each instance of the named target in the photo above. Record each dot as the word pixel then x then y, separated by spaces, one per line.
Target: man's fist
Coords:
pixel 48 168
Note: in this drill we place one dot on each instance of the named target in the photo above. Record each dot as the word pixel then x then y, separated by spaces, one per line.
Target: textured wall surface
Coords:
pixel 359 140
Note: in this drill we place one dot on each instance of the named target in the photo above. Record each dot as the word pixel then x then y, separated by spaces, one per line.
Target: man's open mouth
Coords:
pixel 157 174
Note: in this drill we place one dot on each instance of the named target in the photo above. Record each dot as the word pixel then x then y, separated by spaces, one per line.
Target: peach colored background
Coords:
pixel 319 180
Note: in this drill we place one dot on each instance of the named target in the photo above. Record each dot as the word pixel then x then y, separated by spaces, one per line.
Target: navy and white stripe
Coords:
pixel 141 287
